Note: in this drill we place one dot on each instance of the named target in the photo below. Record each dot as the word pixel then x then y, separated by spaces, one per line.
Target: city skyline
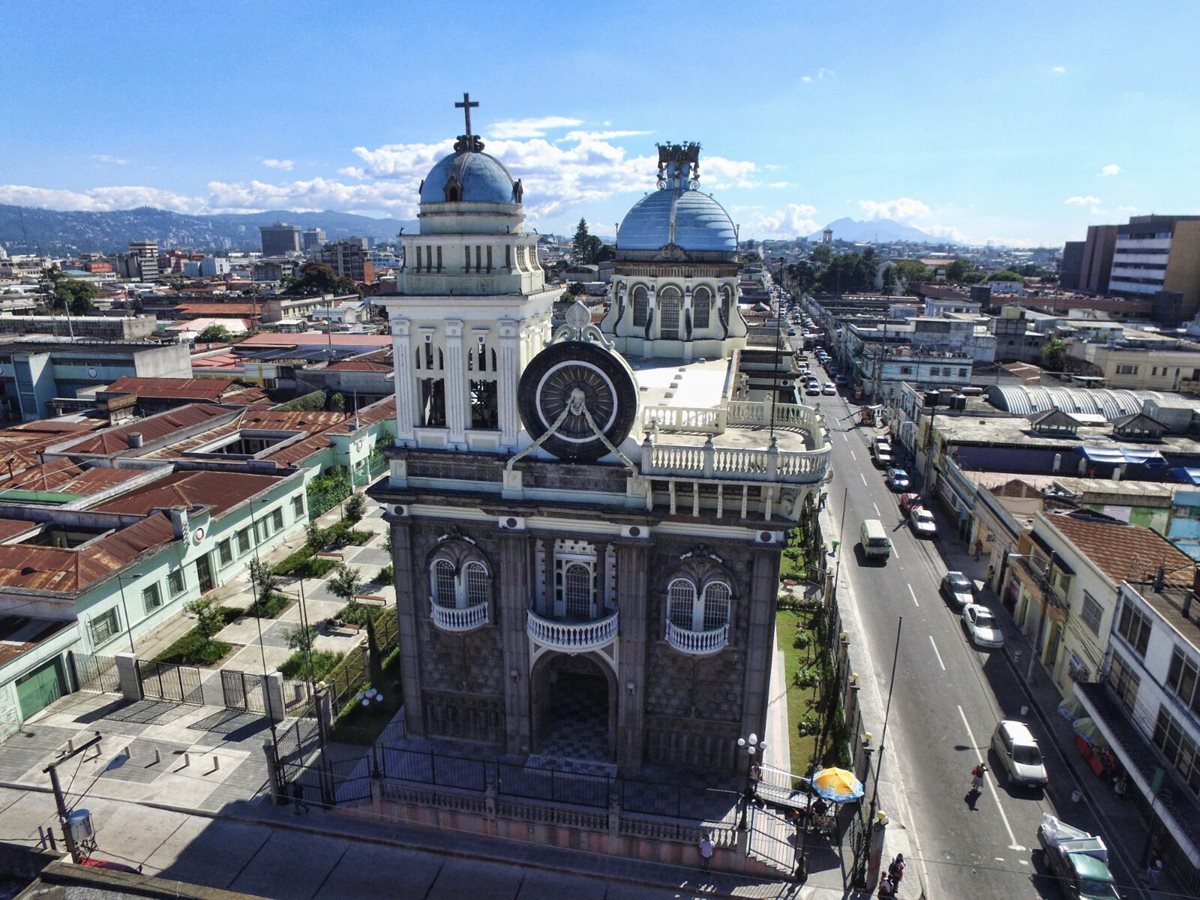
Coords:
pixel 1017 125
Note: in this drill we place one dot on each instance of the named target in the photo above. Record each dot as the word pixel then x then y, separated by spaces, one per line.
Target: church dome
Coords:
pixel 469 177
pixel 686 218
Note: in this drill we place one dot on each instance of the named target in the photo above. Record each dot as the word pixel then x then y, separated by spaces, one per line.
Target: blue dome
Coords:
pixel 479 177
pixel 698 222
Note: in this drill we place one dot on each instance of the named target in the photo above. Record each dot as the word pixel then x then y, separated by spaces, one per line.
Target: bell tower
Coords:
pixel 471 305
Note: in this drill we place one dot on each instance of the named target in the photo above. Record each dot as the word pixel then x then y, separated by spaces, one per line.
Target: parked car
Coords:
pixel 897 480
pixel 1078 860
pixel 812 389
pixel 957 588
pixel 829 390
pixel 923 524
pixel 882 454
pixel 982 628
pixel 909 502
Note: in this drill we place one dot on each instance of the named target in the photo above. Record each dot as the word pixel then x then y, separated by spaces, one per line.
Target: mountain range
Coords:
pixel 876 231
pixel 51 232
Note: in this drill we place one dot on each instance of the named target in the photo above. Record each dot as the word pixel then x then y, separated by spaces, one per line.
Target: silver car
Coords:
pixel 982 627
pixel 958 590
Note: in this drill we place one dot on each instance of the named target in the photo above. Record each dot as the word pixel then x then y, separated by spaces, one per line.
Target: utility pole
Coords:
pixel 61 803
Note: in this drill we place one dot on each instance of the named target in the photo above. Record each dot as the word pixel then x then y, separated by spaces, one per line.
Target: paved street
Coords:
pixel 948 695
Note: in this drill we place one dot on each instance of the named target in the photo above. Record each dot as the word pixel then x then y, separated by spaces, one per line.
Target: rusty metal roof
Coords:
pixel 70 571
pixel 168 388
pixel 67 477
pixel 116 440
pixel 220 490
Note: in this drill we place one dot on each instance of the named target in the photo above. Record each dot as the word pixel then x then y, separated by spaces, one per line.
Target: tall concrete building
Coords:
pixel 1097 258
pixel 1159 255
pixel 1071 267
pixel 349 258
pixel 143 259
pixel 586 544
pixel 312 239
pixel 280 239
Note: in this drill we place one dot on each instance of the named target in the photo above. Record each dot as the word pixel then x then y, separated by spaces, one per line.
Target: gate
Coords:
pixel 95 674
pixel 167 681
pixel 242 691
pixel 327 782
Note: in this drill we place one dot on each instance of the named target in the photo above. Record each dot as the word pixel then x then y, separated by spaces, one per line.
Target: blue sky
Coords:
pixel 1020 122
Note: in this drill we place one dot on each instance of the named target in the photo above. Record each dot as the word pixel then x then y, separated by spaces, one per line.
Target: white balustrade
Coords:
pixel 572 637
pixel 453 618
pixel 705 420
pixel 697 643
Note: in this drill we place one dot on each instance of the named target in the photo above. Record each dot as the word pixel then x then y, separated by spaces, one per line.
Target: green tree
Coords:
pixel 957 271
pixel 910 272
pixel 1006 275
pixel 210 615
pixel 318 278
pixel 76 296
pixel 889 280
pixel 345 582
pixel 356 506
pixel 582 249
pixel 302 638
pixel 1054 355
pixel 374 657
pixel 264 580
pixel 314 537
pixel 213 334
pixel 337 402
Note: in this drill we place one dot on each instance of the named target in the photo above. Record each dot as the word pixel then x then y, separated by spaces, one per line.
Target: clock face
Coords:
pixel 562 381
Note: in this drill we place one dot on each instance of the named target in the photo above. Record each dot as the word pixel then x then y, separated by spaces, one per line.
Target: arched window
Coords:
pixel 681 601
pixel 478 584
pixel 641 306
pixel 444 593
pixel 701 307
pixel 716 605
pixel 669 304
pixel 726 303
pixel 578 591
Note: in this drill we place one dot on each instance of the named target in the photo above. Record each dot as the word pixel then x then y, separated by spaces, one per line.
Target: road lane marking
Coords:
pixel 992 786
pixel 894 553
pixel 852 456
pixel 914 595
pixel 876 505
pixel 935 651
pixel 864 478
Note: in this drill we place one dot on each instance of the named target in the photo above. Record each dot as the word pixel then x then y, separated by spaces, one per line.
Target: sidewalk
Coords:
pixel 1099 809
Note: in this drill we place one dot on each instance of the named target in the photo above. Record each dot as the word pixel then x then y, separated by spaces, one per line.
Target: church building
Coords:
pixel 586 520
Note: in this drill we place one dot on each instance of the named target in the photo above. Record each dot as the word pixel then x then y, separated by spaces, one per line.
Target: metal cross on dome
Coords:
pixel 466 106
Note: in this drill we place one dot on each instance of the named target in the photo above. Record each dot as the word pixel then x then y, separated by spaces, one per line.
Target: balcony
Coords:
pixel 453 618
pixel 697 643
pixel 571 637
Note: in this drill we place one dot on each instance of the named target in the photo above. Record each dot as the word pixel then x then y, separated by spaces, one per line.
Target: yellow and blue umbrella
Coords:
pixel 837 785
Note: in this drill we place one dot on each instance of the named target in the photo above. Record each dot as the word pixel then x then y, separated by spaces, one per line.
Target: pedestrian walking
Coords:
pixel 1120 785
pixel 977 774
pixel 978 549
pixel 1153 876
pixel 896 869
pixel 298 803
pixel 706 851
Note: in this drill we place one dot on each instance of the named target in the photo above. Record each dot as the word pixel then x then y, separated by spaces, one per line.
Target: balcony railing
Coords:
pixel 453 618
pixel 572 637
pixel 697 643
pixel 737 464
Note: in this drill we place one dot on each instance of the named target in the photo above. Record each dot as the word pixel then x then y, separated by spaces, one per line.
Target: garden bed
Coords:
pixel 815 725
pixel 194 649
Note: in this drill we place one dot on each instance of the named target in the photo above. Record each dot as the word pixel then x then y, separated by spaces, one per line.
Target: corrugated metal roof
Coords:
pixel 115 440
pixel 1024 400
pixel 67 477
pixel 168 388
pixel 220 490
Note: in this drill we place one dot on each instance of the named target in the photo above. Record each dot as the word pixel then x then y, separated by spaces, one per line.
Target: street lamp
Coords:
pixel 753 746
pixel 863 862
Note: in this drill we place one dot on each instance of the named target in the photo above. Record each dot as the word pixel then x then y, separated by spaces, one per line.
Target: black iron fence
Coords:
pixel 167 681
pixel 539 783
pixel 96 674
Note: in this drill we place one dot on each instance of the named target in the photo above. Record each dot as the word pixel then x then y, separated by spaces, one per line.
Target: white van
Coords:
pixel 874 539
pixel 1018 751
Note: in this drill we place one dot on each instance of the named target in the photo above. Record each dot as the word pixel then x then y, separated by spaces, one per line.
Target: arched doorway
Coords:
pixel 574 708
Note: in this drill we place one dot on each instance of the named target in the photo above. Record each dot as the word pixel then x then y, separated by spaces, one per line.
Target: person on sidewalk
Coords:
pixel 298 803
pixel 896 869
pixel 1153 876
pixel 706 851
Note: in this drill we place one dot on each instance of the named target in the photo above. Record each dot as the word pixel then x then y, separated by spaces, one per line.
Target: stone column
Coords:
pixel 514 584
pixel 602 596
pixel 402 365
pixel 456 384
pixel 507 378
pixel 758 632
pixel 127 676
pixel 632 574
pixel 547 606
pixel 408 607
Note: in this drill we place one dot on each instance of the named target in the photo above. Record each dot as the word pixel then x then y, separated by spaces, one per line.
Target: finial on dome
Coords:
pixel 678 165
pixel 467 143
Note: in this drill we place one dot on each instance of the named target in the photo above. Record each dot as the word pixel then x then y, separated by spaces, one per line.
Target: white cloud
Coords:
pixel 1110 169
pixel 794 220
pixel 530 128
pixel 947 232
pixel 902 209
pixel 103 199
pixel 1085 200
pixel 109 160
pixel 599 135
pixel 285 164
pixel 1058 70
pixel 821 75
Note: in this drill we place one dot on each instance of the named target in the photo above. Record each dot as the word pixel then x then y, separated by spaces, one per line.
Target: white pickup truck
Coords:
pixel 1078 860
